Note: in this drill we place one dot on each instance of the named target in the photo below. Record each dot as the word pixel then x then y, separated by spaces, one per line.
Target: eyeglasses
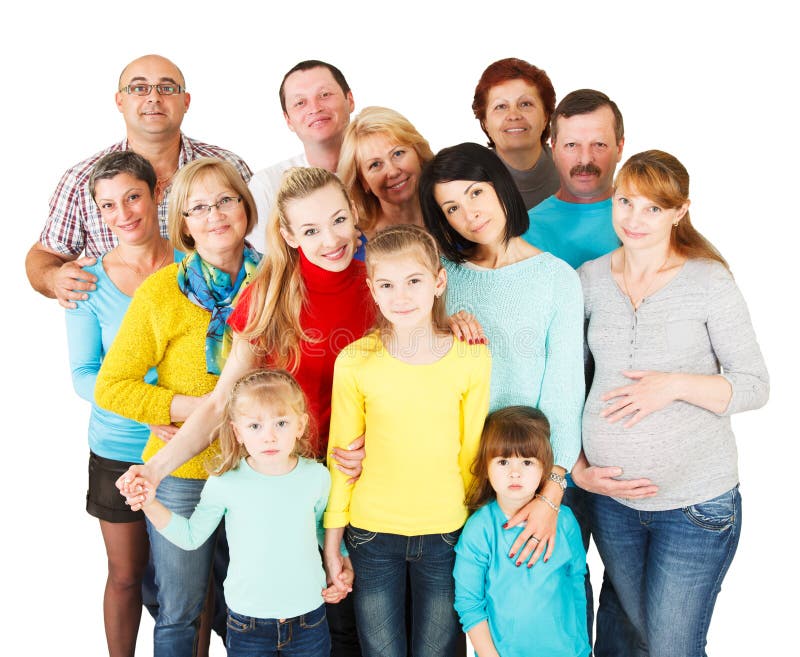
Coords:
pixel 225 204
pixel 145 89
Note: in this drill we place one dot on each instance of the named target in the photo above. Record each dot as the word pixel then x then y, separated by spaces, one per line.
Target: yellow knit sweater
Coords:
pixel 161 329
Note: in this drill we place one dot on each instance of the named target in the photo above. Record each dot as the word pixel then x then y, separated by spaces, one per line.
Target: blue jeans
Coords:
pixel 667 567
pixel 181 575
pixel 615 636
pixel 381 562
pixel 301 636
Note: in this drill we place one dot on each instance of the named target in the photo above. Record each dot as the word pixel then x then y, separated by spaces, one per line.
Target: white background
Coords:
pixel 709 82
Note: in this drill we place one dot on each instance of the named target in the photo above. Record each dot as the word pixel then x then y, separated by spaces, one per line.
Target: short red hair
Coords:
pixel 512 68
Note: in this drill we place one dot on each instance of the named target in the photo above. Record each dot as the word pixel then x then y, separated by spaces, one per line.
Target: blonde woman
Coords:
pixel 308 301
pixel 380 163
pixel 176 324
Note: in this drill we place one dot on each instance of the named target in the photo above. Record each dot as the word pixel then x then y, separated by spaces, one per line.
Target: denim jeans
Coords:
pixel 301 636
pixel 615 637
pixel 181 575
pixel 381 562
pixel 667 567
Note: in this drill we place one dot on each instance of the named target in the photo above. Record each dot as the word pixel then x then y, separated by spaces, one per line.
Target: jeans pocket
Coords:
pixel 717 514
pixel 313 618
pixel 239 623
pixel 356 537
pixel 451 538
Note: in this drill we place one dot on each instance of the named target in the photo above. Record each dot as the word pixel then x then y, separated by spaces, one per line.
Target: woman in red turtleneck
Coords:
pixel 336 310
pixel 307 302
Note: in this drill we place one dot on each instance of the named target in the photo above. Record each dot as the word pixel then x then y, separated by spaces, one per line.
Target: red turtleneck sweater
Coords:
pixel 338 310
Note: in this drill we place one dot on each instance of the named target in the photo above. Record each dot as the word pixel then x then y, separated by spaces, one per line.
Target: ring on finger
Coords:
pixel 533 538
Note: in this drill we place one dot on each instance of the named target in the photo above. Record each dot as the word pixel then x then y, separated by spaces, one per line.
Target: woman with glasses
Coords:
pixel 176 324
pixel 122 185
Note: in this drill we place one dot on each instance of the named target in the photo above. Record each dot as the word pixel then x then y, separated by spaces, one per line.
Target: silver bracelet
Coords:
pixel 547 501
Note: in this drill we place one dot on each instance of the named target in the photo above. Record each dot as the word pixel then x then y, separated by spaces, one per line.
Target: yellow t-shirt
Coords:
pixel 422 425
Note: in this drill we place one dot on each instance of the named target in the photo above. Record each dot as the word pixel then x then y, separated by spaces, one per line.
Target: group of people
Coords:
pixel 498 352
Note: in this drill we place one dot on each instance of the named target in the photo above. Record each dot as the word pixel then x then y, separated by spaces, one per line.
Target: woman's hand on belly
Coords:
pixel 650 392
pixel 601 481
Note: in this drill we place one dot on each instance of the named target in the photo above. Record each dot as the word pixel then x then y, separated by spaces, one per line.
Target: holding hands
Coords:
pixel 138 486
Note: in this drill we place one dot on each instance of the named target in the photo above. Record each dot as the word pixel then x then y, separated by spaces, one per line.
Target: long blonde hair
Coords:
pixel 277 292
pixel 661 177
pixel 274 388
pixel 407 239
pixel 375 121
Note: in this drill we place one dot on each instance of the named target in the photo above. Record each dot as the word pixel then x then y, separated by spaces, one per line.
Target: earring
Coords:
pixel 675 225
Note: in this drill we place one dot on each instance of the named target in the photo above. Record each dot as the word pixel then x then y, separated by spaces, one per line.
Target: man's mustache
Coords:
pixel 584 169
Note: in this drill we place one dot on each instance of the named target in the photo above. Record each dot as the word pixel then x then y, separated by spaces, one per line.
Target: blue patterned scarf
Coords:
pixel 210 288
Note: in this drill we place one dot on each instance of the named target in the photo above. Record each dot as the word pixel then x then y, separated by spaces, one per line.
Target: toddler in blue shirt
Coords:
pixel 511 611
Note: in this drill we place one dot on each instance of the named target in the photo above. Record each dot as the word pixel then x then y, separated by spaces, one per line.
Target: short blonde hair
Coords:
pixel 374 121
pixel 182 184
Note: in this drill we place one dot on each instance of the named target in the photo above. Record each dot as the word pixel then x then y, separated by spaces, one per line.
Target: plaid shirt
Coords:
pixel 74 224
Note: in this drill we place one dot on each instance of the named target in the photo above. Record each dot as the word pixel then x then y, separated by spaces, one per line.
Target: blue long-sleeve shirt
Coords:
pixel 532 612
pixel 532 313
pixel 91 328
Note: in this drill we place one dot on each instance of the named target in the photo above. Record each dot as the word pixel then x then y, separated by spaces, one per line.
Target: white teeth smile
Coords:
pixel 335 255
pixel 399 185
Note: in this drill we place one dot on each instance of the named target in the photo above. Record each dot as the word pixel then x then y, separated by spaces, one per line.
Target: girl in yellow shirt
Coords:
pixel 420 398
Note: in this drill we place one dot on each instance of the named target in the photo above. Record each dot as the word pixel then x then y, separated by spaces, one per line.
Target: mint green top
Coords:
pixel 272 525
pixel 532 313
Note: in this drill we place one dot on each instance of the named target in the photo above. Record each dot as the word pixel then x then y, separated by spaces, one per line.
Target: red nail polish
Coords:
pixel 519 563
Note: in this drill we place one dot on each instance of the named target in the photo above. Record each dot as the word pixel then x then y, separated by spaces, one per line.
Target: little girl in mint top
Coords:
pixel 272 498
pixel 539 611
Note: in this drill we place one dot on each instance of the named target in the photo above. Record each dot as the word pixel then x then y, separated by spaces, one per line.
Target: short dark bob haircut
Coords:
pixel 468 161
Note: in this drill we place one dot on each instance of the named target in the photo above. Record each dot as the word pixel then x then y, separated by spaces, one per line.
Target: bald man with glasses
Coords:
pixel 152 98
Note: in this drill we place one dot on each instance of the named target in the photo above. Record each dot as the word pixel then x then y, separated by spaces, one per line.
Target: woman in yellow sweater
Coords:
pixel 420 397
pixel 177 323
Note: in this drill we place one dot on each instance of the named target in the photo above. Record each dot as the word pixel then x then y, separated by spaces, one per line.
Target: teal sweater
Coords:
pixel 532 313
pixel 272 523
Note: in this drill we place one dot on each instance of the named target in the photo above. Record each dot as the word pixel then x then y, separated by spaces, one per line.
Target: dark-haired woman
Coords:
pixel 122 185
pixel 527 301
pixel 675 355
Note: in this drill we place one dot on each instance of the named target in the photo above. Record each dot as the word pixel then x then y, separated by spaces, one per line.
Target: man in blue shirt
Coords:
pixel 587 135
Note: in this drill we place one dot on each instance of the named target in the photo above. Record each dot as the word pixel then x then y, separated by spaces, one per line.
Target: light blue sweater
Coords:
pixel 532 313
pixel 272 523
pixel 575 232
pixel 532 612
pixel 91 328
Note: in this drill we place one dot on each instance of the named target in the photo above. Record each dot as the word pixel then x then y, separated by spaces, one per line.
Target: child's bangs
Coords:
pixel 280 399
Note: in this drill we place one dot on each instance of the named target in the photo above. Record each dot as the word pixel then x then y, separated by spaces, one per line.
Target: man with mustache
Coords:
pixel 152 98
pixel 574 224
pixel 587 135
pixel 316 102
